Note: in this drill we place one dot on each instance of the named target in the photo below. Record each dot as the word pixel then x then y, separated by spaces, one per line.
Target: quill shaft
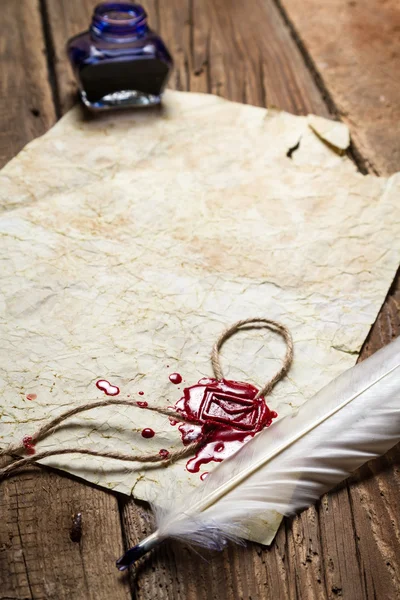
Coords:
pixel 138 551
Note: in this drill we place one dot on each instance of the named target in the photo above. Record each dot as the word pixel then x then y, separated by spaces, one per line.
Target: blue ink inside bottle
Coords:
pixel 119 61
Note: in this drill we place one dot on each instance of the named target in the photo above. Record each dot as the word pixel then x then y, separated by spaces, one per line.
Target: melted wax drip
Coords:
pixel 141 393
pixel 142 404
pixel 106 387
pixel 164 453
pixel 148 433
pixel 228 415
pixel 175 378
pixel 31 396
pixel 27 442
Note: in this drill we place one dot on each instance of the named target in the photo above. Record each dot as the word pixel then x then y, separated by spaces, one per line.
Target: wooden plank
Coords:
pixel 175 571
pixel 214 51
pixel 354 48
pixel 26 107
pixel 245 52
pixel 37 557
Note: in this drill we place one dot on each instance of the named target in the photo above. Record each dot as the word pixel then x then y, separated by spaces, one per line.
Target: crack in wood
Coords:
pixel 364 165
pixel 21 543
pixel 307 59
pixel 50 55
pixel 353 520
pixel 264 97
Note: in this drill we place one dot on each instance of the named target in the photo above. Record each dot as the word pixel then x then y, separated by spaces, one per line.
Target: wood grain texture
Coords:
pixel 354 47
pixel 37 557
pixel 26 107
pixel 224 47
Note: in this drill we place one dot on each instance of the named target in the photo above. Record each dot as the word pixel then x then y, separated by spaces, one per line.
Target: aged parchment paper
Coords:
pixel 129 241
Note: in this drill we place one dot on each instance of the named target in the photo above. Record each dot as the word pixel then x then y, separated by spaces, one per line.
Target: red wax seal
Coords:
pixel 227 414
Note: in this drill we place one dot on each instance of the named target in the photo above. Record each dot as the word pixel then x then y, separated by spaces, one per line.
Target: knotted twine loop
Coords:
pixel 48 428
pixel 270 324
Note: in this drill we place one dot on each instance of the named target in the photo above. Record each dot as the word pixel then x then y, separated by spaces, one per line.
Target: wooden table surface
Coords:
pixel 338 58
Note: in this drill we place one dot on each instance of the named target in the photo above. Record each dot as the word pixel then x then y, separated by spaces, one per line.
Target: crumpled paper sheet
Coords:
pixel 131 240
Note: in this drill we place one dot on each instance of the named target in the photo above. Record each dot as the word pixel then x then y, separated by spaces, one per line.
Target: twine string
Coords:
pixel 143 458
pixel 14 451
pixel 54 424
pixel 273 326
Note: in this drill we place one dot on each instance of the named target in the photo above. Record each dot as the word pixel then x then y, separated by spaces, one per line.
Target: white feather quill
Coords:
pixel 292 463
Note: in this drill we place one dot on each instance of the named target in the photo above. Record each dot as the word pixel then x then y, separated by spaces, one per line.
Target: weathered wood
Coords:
pixel 228 48
pixel 37 557
pixel 175 571
pixel 26 107
pixel 354 47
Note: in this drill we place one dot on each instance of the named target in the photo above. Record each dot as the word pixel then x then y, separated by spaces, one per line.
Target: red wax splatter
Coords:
pixel 175 378
pixel 141 393
pixel 164 453
pixel 106 387
pixel 148 433
pixel 31 396
pixel 142 404
pixel 203 476
pixel 27 442
pixel 227 415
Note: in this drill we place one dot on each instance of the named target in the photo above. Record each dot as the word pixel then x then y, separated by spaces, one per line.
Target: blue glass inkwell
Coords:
pixel 119 61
